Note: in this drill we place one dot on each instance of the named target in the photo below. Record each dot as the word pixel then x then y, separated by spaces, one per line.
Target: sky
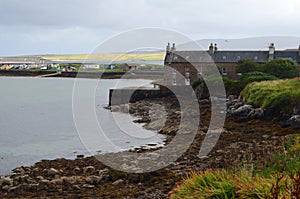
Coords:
pixel 77 26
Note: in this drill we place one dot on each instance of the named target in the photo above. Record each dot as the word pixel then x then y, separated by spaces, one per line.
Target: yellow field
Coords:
pixel 118 57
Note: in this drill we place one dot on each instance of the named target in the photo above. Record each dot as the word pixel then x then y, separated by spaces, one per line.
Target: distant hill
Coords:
pixel 252 43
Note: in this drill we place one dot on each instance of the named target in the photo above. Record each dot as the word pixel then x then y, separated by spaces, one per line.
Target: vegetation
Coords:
pixel 246 66
pixel 281 96
pixel 280 178
pixel 281 68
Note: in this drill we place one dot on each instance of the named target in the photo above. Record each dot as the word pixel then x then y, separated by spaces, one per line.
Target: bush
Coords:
pixel 246 66
pixel 279 96
pixel 236 86
pixel 256 77
pixel 281 68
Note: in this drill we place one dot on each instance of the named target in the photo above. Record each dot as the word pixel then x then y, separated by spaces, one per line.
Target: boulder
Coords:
pixel 294 121
pixel 93 179
pixel 7 181
pixel 52 172
pixel 256 114
pixel 88 170
pixel 242 111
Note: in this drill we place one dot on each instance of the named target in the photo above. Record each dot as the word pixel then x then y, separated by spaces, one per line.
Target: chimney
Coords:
pixel 216 47
pixel 271 51
pixel 173 47
pixel 168 48
pixel 211 49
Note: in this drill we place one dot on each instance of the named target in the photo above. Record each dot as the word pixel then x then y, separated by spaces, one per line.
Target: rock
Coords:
pixel 94 179
pixel 13 189
pixel 294 121
pixel 76 187
pixel 70 180
pixel 56 181
pixel 118 182
pixel 6 188
pixel 52 172
pixel 256 114
pixel 80 156
pixel 242 111
pixel 19 171
pixel 104 171
pixel 204 101
pixel 76 171
pixel 44 184
pixel 88 186
pixel 35 171
pixel 23 179
pixel 88 170
pixel 7 181
pixel 39 178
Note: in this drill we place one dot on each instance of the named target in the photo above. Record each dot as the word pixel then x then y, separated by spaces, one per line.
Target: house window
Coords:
pixel 174 71
pixel 224 57
pixel 224 71
pixel 199 70
pixel 255 58
pixel 174 81
pixel 187 72
pixel 187 82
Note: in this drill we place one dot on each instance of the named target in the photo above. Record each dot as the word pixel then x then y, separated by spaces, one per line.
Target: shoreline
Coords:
pixel 89 75
pixel 87 177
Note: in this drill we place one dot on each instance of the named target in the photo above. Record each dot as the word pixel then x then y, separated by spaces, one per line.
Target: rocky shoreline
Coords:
pixel 251 140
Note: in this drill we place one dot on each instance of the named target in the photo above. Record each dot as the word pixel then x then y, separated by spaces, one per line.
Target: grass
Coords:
pixel 279 95
pixel 280 178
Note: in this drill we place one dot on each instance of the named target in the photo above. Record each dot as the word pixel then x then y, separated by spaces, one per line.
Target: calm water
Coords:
pixel 37 122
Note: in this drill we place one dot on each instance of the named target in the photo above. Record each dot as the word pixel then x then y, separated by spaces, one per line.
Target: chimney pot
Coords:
pixel 173 47
pixel 168 48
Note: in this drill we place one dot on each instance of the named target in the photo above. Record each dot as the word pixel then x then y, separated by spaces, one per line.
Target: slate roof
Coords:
pixel 228 56
pixel 21 60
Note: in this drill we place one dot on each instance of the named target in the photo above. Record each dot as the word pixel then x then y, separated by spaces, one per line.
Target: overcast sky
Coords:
pixel 78 26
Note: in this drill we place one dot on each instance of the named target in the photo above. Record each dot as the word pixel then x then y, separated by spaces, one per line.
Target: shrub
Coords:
pixel 281 96
pixel 281 68
pixel 246 66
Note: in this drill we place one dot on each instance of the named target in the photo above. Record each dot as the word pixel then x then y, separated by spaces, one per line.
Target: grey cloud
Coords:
pixel 93 20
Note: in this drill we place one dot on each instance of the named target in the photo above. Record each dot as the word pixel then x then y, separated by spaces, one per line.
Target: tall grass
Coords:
pixel 277 95
pixel 280 178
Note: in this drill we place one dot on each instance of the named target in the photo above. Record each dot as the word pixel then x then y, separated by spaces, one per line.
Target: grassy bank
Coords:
pixel 278 178
pixel 280 96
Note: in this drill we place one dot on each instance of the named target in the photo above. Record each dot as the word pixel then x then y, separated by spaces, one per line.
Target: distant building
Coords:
pixel 190 64
pixel 28 62
pixel 126 66
pixel 90 66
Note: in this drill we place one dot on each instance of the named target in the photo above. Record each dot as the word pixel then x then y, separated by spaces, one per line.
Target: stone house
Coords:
pixel 185 67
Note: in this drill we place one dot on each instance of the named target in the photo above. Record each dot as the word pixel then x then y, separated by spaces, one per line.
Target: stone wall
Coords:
pixel 125 95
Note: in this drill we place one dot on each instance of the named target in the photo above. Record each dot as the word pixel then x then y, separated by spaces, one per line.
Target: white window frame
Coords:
pixel 174 81
pixel 187 81
pixel 224 71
